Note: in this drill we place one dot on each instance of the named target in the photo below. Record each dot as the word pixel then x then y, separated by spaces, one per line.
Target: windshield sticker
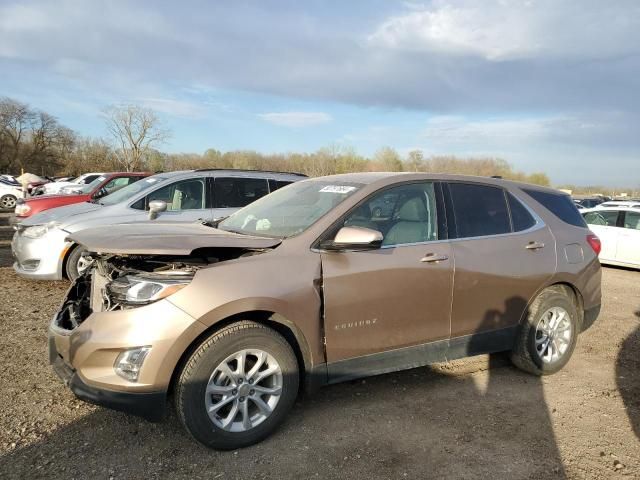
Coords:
pixel 337 189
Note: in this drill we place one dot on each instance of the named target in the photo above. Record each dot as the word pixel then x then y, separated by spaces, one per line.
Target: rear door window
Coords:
pixel 632 220
pixel 560 205
pixel 237 192
pixel 479 210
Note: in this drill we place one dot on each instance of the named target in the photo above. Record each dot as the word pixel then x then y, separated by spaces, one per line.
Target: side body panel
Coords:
pixel 386 299
pixel 496 277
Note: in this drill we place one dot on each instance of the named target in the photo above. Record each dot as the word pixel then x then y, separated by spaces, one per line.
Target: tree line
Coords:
pixel 34 141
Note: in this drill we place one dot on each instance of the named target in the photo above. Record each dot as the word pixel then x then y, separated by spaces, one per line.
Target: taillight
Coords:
pixel 595 243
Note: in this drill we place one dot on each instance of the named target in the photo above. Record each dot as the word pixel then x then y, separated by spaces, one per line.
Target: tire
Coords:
pixel 202 371
pixel 530 353
pixel 72 268
pixel 8 202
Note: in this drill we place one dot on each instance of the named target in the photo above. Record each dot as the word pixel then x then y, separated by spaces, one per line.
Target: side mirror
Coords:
pixel 99 194
pixel 156 207
pixel 355 238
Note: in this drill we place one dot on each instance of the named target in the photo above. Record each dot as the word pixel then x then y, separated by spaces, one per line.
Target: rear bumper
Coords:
pixel 590 317
pixel 148 405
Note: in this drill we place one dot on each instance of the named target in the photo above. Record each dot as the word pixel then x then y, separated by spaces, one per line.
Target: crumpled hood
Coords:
pixel 168 238
pixel 60 213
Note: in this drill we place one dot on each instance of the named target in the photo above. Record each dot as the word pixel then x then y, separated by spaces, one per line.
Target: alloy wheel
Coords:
pixel 83 264
pixel 8 201
pixel 243 390
pixel 553 334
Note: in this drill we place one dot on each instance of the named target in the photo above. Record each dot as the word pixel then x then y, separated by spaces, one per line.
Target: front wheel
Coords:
pixel 8 202
pixel 548 337
pixel 238 386
pixel 77 264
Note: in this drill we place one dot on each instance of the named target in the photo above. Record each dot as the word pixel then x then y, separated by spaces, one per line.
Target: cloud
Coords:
pixel 516 29
pixel 296 119
pixel 173 107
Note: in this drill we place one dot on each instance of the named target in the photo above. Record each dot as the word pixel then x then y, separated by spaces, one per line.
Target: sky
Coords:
pixel 549 85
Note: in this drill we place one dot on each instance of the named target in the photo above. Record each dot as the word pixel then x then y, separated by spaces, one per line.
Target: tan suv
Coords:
pixel 325 280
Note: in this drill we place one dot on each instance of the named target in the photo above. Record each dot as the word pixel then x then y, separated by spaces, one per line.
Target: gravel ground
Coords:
pixel 474 418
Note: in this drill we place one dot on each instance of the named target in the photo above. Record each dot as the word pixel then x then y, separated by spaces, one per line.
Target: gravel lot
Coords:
pixel 470 419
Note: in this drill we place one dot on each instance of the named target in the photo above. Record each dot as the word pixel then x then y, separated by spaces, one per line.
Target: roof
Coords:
pixel 213 172
pixel 245 170
pixel 393 177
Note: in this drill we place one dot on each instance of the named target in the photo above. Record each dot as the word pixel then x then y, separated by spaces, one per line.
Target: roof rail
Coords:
pixel 246 170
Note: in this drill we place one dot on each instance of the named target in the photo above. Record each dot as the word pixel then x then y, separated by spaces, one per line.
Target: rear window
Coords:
pixel 479 210
pixel 276 184
pixel 560 205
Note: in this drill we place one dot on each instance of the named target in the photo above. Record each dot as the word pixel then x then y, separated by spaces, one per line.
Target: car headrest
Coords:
pixel 413 210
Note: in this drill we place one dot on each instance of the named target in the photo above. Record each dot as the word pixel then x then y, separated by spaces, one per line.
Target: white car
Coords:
pixel 619 231
pixel 619 203
pixel 53 188
pixel 9 194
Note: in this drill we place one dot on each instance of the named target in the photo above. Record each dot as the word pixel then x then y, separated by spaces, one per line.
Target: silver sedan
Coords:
pixel 40 245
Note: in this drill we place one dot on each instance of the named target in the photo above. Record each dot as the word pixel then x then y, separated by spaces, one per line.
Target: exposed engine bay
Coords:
pixel 116 282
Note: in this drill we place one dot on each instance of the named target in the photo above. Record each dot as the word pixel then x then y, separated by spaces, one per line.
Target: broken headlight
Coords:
pixel 135 290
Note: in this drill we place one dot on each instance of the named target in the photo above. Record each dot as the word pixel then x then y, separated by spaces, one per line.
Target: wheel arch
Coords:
pixel 273 320
pixel 65 259
pixel 566 286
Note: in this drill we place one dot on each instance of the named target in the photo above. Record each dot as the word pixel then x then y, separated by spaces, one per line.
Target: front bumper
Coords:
pixel 150 405
pixel 84 355
pixel 40 258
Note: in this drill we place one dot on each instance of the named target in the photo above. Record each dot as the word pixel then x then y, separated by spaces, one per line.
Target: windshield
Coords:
pixel 89 187
pixel 125 193
pixel 289 210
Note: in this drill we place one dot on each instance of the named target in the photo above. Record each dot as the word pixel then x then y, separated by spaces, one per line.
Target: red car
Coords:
pixel 100 187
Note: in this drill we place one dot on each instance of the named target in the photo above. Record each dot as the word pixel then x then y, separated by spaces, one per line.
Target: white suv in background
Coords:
pixel 619 231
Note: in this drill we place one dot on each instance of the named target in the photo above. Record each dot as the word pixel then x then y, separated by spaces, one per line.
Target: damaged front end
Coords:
pixel 119 282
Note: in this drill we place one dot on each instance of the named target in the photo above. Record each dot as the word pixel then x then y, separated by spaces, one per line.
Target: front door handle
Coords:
pixel 433 258
pixel 534 245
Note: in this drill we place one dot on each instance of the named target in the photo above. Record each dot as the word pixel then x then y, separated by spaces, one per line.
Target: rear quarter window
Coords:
pixel 560 205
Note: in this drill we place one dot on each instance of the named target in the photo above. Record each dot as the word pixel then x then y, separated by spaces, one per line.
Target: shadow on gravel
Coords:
pixel 628 376
pixel 423 423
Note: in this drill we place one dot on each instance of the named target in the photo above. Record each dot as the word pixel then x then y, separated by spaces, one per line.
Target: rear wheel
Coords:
pixel 548 337
pixel 8 202
pixel 76 263
pixel 238 386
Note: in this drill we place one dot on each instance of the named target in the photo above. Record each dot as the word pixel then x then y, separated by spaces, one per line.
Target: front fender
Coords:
pixel 287 286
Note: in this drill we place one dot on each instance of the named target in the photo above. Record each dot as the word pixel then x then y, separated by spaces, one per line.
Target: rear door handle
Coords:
pixel 433 258
pixel 534 245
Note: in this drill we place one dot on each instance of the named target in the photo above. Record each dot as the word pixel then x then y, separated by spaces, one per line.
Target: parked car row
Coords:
pixel 41 246
pixel 99 187
pixel 235 310
pixel 10 191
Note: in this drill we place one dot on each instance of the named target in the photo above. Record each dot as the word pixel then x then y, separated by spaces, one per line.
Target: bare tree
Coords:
pixel 135 131
pixel 15 121
pixel 415 160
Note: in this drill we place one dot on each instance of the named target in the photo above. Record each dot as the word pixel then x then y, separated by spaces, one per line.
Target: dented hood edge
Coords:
pixel 163 239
